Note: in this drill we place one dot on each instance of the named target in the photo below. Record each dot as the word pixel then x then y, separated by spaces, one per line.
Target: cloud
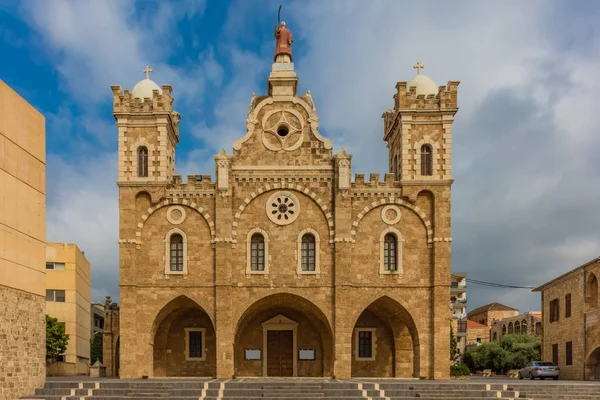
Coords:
pixel 83 208
pixel 527 175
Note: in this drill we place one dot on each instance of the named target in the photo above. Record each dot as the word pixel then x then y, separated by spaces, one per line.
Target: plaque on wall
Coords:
pixel 307 354
pixel 253 354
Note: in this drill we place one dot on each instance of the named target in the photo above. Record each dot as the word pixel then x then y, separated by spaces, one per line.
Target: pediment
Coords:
pixel 280 320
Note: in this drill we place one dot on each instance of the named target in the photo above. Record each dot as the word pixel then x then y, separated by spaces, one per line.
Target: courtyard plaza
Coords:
pixel 71 388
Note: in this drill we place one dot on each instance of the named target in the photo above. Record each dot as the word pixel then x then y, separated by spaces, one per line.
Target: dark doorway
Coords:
pixel 280 353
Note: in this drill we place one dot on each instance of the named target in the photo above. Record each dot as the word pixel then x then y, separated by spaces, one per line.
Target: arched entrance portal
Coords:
pixel 385 342
pixel 184 340
pixel 283 335
pixel 592 365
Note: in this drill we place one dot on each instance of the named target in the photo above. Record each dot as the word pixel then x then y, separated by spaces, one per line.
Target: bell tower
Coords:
pixel 148 132
pixel 418 131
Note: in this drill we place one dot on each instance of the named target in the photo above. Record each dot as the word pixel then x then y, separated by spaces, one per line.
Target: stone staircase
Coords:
pixel 290 389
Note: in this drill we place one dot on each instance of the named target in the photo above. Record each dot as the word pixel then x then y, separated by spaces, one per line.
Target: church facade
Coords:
pixel 284 265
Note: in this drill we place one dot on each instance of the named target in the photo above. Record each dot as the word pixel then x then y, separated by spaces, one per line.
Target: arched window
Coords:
pixel 495 336
pixel 517 328
pixel 177 252
pixel 142 161
pixel 503 330
pixel 257 252
pixel 426 160
pixel 390 248
pixel 308 252
pixel 591 293
pixel 510 328
pixel 524 327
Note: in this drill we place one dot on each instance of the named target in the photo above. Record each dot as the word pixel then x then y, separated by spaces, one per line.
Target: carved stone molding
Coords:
pixel 283 208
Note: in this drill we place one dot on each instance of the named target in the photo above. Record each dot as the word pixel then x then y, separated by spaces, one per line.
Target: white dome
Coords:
pixel 144 88
pixel 424 85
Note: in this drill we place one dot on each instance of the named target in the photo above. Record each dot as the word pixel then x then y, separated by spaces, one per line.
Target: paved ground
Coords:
pixel 473 379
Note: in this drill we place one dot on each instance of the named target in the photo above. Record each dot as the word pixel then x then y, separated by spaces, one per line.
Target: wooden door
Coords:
pixel 280 353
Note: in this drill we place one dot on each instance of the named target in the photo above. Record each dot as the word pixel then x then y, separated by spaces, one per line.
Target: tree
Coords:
pixel 56 338
pixel 453 344
pixel 96 348
pixel 513 352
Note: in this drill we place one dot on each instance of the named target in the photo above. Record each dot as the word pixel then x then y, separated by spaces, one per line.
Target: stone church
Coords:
pixel 284 265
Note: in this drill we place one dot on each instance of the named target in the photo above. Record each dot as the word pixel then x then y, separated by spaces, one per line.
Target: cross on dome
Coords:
pixel 418 66
pixel 147 71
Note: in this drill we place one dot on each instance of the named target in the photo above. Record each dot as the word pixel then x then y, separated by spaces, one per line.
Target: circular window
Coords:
pixel 175 215
pixel 283 208
pixel 282 130
pixel 390 214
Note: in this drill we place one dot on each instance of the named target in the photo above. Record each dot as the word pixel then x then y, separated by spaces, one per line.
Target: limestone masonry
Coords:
pixel 284 265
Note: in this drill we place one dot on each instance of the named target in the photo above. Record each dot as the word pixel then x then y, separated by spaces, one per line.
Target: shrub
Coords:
pixel 459 370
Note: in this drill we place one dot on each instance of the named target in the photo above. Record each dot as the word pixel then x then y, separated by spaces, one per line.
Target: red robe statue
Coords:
pixel 284 41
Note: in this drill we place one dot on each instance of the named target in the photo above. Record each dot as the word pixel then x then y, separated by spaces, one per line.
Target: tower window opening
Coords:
pixel 426 160
pixel 143 162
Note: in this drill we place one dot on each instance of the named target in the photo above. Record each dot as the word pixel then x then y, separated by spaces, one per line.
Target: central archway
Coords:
pixel 184 340
pixel 592 365
pixel 385 341
pixel 283 335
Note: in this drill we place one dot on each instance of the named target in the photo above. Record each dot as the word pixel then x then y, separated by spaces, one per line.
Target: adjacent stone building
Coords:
pixel 22 245
pixel 68 287
pixel 284 265
pixel 477 334
pixel 529 323
pixel 489 313
pixel 571 330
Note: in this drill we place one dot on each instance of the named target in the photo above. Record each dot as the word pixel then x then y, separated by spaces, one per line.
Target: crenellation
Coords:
pixel 247 237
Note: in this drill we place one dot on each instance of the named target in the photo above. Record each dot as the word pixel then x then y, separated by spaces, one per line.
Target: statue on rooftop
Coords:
pixel 283 47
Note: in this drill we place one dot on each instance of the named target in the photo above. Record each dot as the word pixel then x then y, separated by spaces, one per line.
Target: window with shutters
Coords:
pixel 555 354
pixel 554 310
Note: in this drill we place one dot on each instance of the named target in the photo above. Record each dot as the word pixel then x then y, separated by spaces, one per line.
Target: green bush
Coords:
pixel 459 370
pixel 513 352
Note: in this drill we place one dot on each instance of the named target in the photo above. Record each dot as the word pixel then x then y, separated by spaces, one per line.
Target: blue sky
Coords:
pixel 526 138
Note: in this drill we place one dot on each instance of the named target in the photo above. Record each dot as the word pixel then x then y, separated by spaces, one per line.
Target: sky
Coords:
pixel 526 142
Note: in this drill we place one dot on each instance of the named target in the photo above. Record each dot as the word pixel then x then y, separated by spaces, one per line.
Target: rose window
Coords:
pixel 283 208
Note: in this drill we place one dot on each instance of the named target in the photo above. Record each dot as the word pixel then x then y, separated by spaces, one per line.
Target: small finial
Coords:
pixel 418 66
pixel 147 71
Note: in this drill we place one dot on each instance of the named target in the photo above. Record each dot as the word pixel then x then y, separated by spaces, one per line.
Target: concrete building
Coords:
pixel 489 313
pixel 529 323
pixel 458 308
pixel 68 297
pixel 22 245
pixel 570 317
pixel 251 274
pixel 97 318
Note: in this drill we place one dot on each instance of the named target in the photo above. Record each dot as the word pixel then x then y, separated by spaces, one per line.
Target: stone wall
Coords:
pixel 22 343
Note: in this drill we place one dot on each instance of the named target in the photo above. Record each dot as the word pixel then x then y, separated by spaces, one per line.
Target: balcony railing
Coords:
pixel 462 326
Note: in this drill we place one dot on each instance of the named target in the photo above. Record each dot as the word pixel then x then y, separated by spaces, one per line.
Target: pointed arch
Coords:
pixel 179 322
pixel 395 333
